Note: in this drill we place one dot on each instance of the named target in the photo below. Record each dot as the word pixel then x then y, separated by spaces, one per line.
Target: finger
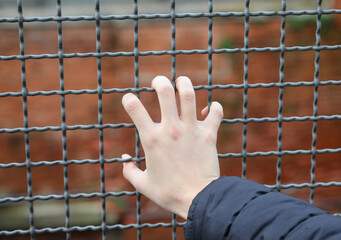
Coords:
pixel 133 174
pixel 137 112
pixel 215 116
pixel 187 99
pixel 166 95
pixel 204 112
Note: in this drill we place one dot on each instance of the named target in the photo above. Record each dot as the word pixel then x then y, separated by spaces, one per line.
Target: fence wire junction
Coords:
pixel 97 18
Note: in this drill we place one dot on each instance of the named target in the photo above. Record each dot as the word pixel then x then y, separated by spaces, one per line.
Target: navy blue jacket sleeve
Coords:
pixel 235 208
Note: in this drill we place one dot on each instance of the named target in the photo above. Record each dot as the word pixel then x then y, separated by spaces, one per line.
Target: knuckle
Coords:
pixel 210 137
pixel 187 95
pixel 174 132
pixel 149 140
pixel 165 89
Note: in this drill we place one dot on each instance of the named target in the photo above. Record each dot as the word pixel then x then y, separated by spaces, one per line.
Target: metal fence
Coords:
pixel 281 84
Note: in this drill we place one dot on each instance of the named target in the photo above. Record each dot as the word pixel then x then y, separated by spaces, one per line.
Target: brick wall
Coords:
pixel 80 73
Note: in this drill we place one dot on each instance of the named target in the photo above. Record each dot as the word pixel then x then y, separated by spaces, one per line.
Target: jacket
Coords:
pixel 236 208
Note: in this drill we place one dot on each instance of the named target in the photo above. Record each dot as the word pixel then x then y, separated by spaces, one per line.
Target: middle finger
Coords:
pixel 166 95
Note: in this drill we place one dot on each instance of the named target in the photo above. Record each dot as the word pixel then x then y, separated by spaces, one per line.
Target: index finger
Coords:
pixel 137 112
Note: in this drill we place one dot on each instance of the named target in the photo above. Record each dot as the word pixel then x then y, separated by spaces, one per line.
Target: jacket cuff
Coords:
pixel 189 226
pixel 207 208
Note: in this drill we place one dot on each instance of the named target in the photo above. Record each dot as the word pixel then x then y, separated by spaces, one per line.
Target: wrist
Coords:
pixel 186 201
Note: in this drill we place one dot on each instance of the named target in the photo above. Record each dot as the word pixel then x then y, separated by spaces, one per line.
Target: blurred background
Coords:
pixel 118 72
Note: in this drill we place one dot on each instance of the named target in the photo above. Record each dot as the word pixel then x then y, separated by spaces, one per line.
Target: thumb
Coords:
pixel 133 174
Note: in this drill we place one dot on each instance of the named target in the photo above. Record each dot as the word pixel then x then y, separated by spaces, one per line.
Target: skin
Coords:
pixel 181 153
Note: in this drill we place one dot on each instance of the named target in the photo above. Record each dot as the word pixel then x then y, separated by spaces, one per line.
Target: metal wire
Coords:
pixel 100 117
pixel 315 101
pixel 137 136
pixel 176 52
pixel 280 99
pixel 173 78
pixel 27 137
pixel 210 54
pixel 246 85
pixel 179 15
pixel 97 18
pixel 63 125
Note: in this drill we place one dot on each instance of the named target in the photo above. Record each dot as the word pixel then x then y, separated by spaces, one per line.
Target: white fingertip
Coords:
pixel 126 156
pixel 218 109
pixel 215 115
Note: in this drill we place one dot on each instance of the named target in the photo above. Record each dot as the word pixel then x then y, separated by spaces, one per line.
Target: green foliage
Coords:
pixel 227 42
pixel 300 22
pixel 327 22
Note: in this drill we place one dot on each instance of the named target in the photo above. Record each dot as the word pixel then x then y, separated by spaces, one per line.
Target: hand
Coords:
pixel 181 153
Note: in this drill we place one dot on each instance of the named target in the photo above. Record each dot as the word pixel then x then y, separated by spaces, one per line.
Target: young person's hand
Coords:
pixel 181 153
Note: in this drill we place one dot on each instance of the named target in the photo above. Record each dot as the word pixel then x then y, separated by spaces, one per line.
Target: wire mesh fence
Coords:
pixel 240 53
